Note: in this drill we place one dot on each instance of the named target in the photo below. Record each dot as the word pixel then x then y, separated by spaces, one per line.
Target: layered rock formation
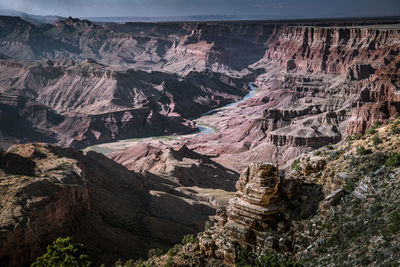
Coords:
pixel 78 104
pixel 320 84
pixel 47 192
pixel 249 216
pixel 319 81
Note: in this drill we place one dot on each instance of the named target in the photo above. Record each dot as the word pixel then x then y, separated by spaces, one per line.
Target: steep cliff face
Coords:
pixel 43 197
pixel 366 56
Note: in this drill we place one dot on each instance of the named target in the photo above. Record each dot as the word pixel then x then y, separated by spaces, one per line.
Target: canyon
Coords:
pixel 140 93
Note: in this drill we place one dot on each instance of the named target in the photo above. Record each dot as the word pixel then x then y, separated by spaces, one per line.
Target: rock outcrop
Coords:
pixel 42 197
pixel 250 215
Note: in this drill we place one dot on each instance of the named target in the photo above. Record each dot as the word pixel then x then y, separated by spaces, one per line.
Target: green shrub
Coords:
pixel 349 186
pixel 273 261
pixel 207 226
pixel 64 253
pixel 393 160
pixel 332 241
pixel 169 262
pixel 356 136
pixel 362 150
pixel 371 131
pixel 155 252
pixel 394 226
pixel 188 239
pixel 353 137
pixel 330 147
pixel 267 259
pixel 174 250
pixel 316 152
pixel 395 128
pixel 377 124
pixel 376 140
pixel 296 165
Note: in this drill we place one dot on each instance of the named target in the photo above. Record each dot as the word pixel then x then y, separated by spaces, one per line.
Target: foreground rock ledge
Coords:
pixel 249 215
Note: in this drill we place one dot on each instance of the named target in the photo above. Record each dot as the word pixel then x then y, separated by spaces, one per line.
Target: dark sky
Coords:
pixel 270 9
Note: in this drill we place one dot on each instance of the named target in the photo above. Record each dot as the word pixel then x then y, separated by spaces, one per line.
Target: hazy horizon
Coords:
pixel 268 9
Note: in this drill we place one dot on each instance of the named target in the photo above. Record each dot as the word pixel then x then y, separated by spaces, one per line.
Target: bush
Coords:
pixel 64 253
pixel 273 261
pixel 188 239
pixel 393 160
pixel 207 226
pixel 155 252
pixel 296 165
pixel 394 226
pixel 362 150
pixel 377 124
pixel 371 131
pixel 267 259
pixel 395 128
pixel 353 137
pixel 174 250
pixel 316 152
pixel 376 140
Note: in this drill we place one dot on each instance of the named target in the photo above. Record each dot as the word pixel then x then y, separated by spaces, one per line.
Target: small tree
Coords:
pixel 64 253
pixel 393 160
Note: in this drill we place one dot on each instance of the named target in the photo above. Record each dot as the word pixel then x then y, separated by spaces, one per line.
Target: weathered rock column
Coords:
pixel 249 215
pixel 254 208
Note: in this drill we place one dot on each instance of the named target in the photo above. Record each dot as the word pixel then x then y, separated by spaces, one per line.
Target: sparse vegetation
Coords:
pixel 174 250
pixel 371 131
pixel 316 152
pixel 155 252
pixel 395 127
pixel 362 150
pixel 188 239
pixel 353 137
pixel 266 259
pixel 393 160
pixel 376 140
pixel 296 165
pixel 377 124
pixel 63 252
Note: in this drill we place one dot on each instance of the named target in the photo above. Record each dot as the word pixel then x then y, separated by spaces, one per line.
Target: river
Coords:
pixel 203 129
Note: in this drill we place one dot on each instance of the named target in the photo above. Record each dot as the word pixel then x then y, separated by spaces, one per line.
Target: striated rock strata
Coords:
pixel 250 215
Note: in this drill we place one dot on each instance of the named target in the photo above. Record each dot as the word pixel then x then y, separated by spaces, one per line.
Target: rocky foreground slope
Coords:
pixel 47 192
pixel 338 206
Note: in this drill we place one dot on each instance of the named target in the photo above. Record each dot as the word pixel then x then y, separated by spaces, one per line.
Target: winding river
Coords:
pixel 203 129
